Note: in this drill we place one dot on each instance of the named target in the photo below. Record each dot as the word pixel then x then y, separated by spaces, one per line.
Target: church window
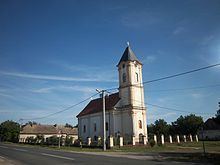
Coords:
pixel 140 124
pixel 124 77
pixel 106 126
pixel 84 128
pixel 94 127
pixel 136 76
pixel 123 66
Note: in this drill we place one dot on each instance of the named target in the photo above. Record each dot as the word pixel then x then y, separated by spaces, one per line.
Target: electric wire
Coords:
pixel 63 110
pixel 174 75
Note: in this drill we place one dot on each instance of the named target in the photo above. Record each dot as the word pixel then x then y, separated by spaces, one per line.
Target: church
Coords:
pixel 125 110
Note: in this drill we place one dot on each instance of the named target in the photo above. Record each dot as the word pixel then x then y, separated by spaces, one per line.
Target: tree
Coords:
pixel 160 127
pixel 68 125
pixel 9 131
pixel 68 141
pixel 218 114
pixel 187 125
pixel 53 140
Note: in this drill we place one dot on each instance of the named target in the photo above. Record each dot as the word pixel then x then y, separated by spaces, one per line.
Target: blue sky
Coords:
pixel 54 54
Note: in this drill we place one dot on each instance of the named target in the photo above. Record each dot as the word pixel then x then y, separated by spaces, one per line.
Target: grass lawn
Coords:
pixel 210 147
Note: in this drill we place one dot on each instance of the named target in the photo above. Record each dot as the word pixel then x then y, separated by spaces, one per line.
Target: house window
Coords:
pixel 106 126
pixel 94 127
pixel 124 77
pixel 136 77
pixel 140 124
pixel 84 128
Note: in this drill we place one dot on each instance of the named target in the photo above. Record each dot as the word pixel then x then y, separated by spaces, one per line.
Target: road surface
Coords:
pixel 11 154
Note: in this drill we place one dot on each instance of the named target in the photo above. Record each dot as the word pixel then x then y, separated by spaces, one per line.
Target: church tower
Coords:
pixel 131 92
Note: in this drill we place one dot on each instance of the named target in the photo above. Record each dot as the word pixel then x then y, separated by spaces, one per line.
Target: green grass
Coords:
pixel 210 147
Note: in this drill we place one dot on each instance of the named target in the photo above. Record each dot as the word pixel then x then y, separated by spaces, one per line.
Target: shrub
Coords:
pixel 152 142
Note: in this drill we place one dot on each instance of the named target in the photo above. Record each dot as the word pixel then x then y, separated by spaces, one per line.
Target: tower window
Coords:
pixel 124 77
pixel 123 66
pixel 106 126
pixel 84 128
pixel 94 127
pixel 136 77
pixel 140 124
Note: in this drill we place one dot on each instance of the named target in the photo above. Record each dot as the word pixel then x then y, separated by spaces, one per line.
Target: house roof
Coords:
pixel 48 129
pixel 95 105
pixel 212 124
pixel 128 55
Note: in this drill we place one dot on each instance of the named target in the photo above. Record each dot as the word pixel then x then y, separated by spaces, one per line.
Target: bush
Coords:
pixel 152 143
pixel 77 143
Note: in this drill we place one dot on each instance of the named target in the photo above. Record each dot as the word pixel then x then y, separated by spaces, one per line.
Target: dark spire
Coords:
pixel 128 55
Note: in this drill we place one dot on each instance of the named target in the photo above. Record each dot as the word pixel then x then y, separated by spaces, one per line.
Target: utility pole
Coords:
pixel 103 107
pixel 203 143
pixel 59 134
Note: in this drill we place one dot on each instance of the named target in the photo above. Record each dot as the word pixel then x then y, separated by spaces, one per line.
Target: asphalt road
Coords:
pixel 22 155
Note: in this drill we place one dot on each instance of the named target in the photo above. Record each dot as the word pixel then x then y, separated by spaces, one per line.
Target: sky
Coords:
pixel 54 54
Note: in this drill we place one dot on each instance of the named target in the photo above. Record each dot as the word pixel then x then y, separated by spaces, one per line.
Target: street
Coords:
pixel 23 155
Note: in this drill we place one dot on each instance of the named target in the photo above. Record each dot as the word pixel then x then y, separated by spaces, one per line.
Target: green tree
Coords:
pixel 187 125
pixel 160 127
pixel 68 141
pixel 9 131
pixel 53 140
pixel 68 125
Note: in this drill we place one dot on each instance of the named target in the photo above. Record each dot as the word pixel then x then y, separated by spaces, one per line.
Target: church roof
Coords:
pixel 128 55
pixel 95 105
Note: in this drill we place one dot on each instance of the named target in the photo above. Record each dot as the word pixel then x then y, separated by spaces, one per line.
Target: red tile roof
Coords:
pixel 95 105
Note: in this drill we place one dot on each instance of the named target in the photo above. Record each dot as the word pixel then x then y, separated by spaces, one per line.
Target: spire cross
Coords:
pixel 128 43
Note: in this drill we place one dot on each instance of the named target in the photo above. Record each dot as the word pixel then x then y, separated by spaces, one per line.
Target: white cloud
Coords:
pixel 207 40
pixel 139 19
pixel 160 116
pixel 62 88
pixel 197 95
pixel 6 95
pixel 149 59
pixel 57 78
pixel 178 30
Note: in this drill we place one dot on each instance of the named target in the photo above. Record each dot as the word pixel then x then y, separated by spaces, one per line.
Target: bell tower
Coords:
pixel 131 92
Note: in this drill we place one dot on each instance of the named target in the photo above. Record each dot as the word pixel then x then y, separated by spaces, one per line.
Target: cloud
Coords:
pixel 178 30
pixel 207 40
pixel 149 59
pixel 56 78
pixel 160 116
pixel 84 89
pixel 197 95
pixel 6 95
pixel 139 19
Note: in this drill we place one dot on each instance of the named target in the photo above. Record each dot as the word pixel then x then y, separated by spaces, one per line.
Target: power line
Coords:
pixel 150 81
pixel 175 75
pixel 178 110
pixel 168 108
pixel 183 73
pixel 189 88
pixel 63 110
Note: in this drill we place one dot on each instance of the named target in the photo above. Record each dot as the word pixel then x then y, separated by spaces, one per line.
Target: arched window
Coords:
pixel 136 77
pixel 140 124
pixel 106 126
pixel 84 128
pixel 94 127
pixel 124 77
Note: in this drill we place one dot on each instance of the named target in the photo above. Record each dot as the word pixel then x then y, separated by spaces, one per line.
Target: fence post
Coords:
pixel 171 140
pixel 155 139
pixel 162 139
pixel 178 138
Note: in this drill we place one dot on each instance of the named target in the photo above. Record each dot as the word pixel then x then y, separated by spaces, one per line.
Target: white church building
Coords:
pixel 125 110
